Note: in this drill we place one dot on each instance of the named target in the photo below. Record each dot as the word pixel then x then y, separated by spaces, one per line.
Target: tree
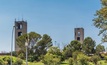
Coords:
pixel 70 61
pixel 95 59
pixel 70 48
pixel 74 45
pixel 37 46
pixel 83 59
pixel 43 44
pixel 51 59
pixel 80 58
pixel 88 45
pixel 99 48
pixel 75 57
pixel 101 20
pixel 33 39
pixel 54 51
pixel 53 56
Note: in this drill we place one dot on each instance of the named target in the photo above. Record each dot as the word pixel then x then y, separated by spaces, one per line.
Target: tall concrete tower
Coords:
pixel 79 34
pixel 20 29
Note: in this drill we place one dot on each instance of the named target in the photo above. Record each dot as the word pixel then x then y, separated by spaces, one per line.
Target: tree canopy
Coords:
pixel 88 45
pixel 99 48
pixel 70 48
pixel 101 20
pixel 37 46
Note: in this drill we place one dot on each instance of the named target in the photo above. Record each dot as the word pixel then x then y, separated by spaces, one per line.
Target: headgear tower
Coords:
pixel 20 29
pixel 79 34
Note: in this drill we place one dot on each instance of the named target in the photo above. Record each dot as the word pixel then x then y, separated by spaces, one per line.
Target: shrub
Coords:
pixel 95 59
pixel 1 62
pixel 70 61
pixel 50 59
pixel 105 57
pixel 18 62
pixel 83 59
pixel 80 58
pixel 7 60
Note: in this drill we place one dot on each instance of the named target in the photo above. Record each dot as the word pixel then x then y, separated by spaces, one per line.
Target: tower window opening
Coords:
pixel 78 38
pixel 19 26
pixel 19 33
pixel 78 33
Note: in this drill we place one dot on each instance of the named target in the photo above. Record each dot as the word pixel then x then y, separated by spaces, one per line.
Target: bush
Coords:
pixel 80 58
pixel 83 59
pixel 18 62
pixel 50 59
pixel 70 61
pixel 105 57
pixel 95 59
pixel 1 62
pixel 7 60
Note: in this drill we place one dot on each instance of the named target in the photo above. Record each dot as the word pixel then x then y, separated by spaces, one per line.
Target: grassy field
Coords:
pixel 38 63
pixel 102 62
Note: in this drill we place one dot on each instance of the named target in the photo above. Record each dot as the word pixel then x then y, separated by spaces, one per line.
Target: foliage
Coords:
pixel 99 48
pixel 37 45
pixel 105 57
pixel 54 51
pixel 53 56
pixel 18 62
pixel 101 20
pixel 67 53
pixel 5 60
pixel 50 59
pixel 83 59
pixel 75 45
pixel 70 48
pixel 1 62
pixel 15 53
pixel 43 44
pixel 95 59
pixel 88 45
pixel 33 39
pixel 21 54
pixel 70 61
pixel 80 58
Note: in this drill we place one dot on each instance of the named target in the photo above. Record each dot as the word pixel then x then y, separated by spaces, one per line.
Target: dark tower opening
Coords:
pixel 19 34
pixel 19 26
pixel 78 38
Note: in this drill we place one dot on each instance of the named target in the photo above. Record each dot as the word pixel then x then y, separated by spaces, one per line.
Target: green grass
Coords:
pixel 40 63
pixel 29 63
pixel 64 63
pixel 102 62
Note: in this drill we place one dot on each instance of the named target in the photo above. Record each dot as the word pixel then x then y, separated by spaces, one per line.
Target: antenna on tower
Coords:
pixel 15 19
pixel 22 17
pixel 18 18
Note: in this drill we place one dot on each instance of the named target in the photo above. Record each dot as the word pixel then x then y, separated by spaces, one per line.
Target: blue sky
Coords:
pixel 57 18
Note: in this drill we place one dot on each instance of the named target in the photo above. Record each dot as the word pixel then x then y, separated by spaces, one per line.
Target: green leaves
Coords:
pixel 37 46
pixel 104 2
pixel 88 45
pixel 99 48
pixel 72 47
pixel 101 20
